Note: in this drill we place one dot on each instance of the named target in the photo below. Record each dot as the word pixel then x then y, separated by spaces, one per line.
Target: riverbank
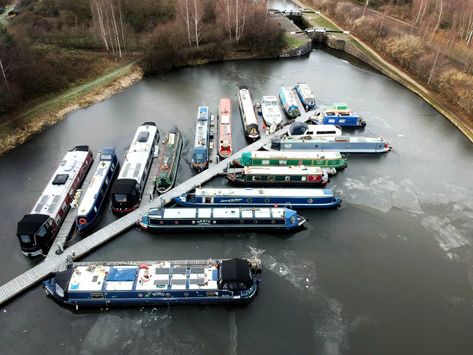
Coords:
pixel 361 50
pixel 27 124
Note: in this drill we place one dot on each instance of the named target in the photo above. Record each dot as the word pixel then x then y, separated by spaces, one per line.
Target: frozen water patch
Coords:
pixel 112 334
pixel 446 234
pixel 330 331
pixel 299 272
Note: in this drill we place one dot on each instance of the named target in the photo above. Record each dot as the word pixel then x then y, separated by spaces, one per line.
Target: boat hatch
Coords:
pixel 143 137
pixel 60 179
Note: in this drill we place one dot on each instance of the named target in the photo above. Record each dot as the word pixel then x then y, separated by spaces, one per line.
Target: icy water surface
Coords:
pixel 388 273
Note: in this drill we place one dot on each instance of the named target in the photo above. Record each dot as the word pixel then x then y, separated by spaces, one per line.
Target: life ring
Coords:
pixel 82 220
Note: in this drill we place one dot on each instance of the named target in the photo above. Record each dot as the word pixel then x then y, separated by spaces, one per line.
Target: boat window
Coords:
pixel 25 238
pixel 107 157
pixel 282 162
pixel 271 178
pixel 60 179
pixel 143 137
pixel 42 232
pixel 342 120
pixel 265 162
pixel 287 178
pixel 120 197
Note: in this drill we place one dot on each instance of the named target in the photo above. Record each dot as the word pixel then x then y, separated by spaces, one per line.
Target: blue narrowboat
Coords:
pixel 200 154
pixel 260 197
pixel 93 200
pixel 289 102
pixel 215 218
pixel 339 115
pixel 306 96
pixel 154 283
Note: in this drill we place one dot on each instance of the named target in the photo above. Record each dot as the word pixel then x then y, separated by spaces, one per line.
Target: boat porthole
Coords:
pixel 241 221
pixel 186 294
pixel 266 200
pixel 255 221
pixel 176 222
pixel 161 222
pixel 273 221
pixel 214 222
pixel 310 200
pixel 250 200
pixel 193 222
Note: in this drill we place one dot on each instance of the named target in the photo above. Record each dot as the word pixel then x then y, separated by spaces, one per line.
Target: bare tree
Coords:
pixel 4 74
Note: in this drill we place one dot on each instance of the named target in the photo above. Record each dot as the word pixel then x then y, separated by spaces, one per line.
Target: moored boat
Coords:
pixel 92 202
pixel 154 283
pixel 200 154
pixel 342 144
pixel 271 113
pixel 260 197
pixel 128 188
pixel 36 231
pixel 306 96
pixel 326 160
pixel 225 128
pixel 289 102
pixel 279 175
pixel 169 161
pixel 248 117
pixel 218 218
pixel 340 115
pixel 303 130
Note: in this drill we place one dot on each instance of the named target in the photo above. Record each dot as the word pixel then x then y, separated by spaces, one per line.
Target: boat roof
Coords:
pixel 247 106
pixel 202 127
pixel 217 212
pixel 60 183
pixel 331 139
pixel 269 100
pixel 159 275
pixel 306 90
pixel 301 128
pixel 272 154
pixel 90 196
pixel 282 170
pixel 251 192
pixel 225 111
pixel 289 96
pixel 138 154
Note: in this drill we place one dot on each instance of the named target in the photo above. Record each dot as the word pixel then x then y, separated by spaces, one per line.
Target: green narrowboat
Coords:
pixel 169 161
pixel 278 176
pixel 328 160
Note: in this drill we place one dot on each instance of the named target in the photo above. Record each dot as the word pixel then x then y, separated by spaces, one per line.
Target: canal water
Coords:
pixel 390 272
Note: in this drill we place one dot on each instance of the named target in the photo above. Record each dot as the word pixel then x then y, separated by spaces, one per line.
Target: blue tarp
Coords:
pixel 121 274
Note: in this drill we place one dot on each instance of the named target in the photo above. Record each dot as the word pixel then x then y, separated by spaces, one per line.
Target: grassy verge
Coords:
pixel 293 41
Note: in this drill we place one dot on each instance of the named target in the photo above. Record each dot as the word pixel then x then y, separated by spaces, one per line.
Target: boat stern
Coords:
pixel 293 220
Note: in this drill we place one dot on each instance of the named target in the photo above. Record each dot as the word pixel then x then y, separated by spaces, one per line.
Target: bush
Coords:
pixel 459 87
pixel 405 49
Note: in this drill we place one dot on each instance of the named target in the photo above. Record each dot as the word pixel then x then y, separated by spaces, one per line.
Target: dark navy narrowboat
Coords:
pixel 92 202
pixel 155 283
pixel 260 197
pixel 208 218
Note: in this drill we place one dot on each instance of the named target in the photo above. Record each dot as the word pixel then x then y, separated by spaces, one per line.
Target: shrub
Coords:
pixel 405 49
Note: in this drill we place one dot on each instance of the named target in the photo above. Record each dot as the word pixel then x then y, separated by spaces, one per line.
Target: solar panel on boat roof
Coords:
pixel 198 281
pixel 41 203
pixel 179 270
pixel 179 282
pixel 53 204
pixel 161 282
pixel 197 270
pixel 137 170
pixel 162 270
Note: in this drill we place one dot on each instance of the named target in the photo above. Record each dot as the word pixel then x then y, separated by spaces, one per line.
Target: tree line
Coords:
pixel 45 47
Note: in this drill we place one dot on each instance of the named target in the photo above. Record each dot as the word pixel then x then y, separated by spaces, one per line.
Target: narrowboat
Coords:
pixel 340 115
pixel 248 117
pixel 342 144
pixel 279 175
pixel 93 200
pixel 225 128
pixel 289 102
pixel 303 130
pixel 306 96
pixel 271 113
pixel 169 161
pixel 200 154
pixel 155 283
pixel 328 160
pixel 36 231
pixel 260 197
pixel 128 188
pixel 221 218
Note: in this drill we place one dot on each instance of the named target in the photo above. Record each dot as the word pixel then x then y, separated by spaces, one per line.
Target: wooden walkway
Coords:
pixel 57 262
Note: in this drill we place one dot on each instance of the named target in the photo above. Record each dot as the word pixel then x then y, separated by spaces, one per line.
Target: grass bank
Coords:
pixel 22 126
